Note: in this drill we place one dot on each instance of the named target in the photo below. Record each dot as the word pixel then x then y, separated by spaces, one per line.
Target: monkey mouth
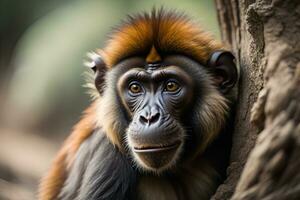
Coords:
pixel 157 158
pixel 153 149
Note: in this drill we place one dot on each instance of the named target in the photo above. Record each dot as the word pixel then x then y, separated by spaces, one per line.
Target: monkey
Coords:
pixel 159 126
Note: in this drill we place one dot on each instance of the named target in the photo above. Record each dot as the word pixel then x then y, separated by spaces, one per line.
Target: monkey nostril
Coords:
pixel 143 119
pixel 154 118
pixel 150 119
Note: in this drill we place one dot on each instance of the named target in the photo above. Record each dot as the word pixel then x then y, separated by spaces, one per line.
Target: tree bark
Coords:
pixel 265 37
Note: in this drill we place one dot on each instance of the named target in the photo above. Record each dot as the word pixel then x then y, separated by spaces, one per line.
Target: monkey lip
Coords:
pixel 153 149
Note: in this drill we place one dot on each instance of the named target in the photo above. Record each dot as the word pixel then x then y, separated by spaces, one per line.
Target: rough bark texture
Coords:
pixel 265 37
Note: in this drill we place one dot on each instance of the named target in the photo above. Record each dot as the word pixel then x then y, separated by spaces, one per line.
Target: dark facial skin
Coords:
pixel 155 99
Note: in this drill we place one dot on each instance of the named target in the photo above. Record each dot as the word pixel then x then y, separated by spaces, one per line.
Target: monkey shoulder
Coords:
pixel 99 171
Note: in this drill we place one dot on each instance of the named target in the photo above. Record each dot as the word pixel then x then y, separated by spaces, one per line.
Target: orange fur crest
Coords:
pixel 167 32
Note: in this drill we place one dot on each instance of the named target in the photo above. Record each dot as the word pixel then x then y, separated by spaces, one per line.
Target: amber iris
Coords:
pixel 172 86
pixel 135 88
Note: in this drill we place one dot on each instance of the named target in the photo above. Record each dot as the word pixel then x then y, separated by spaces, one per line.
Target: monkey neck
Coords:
pixel 198 180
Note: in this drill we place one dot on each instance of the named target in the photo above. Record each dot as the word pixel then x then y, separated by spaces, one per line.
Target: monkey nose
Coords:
pixel 149 119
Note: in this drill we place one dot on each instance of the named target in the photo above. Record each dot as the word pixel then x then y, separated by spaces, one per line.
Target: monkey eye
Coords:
pixel 135 88
pixel 171 86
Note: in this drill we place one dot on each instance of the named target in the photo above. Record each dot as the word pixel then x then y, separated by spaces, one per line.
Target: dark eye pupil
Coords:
pixel 171 85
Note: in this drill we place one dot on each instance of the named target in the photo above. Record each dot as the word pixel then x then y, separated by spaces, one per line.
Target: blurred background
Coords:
pixel 42 47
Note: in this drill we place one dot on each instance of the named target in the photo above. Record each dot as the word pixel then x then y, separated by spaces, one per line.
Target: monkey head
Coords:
pixel 164 89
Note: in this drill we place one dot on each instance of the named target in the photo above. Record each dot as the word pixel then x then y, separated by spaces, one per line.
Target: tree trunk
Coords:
pixel 265 37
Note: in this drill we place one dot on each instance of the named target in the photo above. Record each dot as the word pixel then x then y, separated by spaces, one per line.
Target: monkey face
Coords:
pixel 155 100
pixel 167 112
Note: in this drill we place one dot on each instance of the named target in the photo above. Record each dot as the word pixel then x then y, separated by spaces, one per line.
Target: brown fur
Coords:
pixel 151 36
pixel 53 182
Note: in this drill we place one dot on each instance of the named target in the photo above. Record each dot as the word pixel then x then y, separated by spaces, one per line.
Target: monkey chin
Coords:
pixel 157 159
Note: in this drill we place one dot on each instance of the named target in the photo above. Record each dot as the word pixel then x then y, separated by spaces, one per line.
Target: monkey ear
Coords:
pixel 98 65
pixel 224 69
